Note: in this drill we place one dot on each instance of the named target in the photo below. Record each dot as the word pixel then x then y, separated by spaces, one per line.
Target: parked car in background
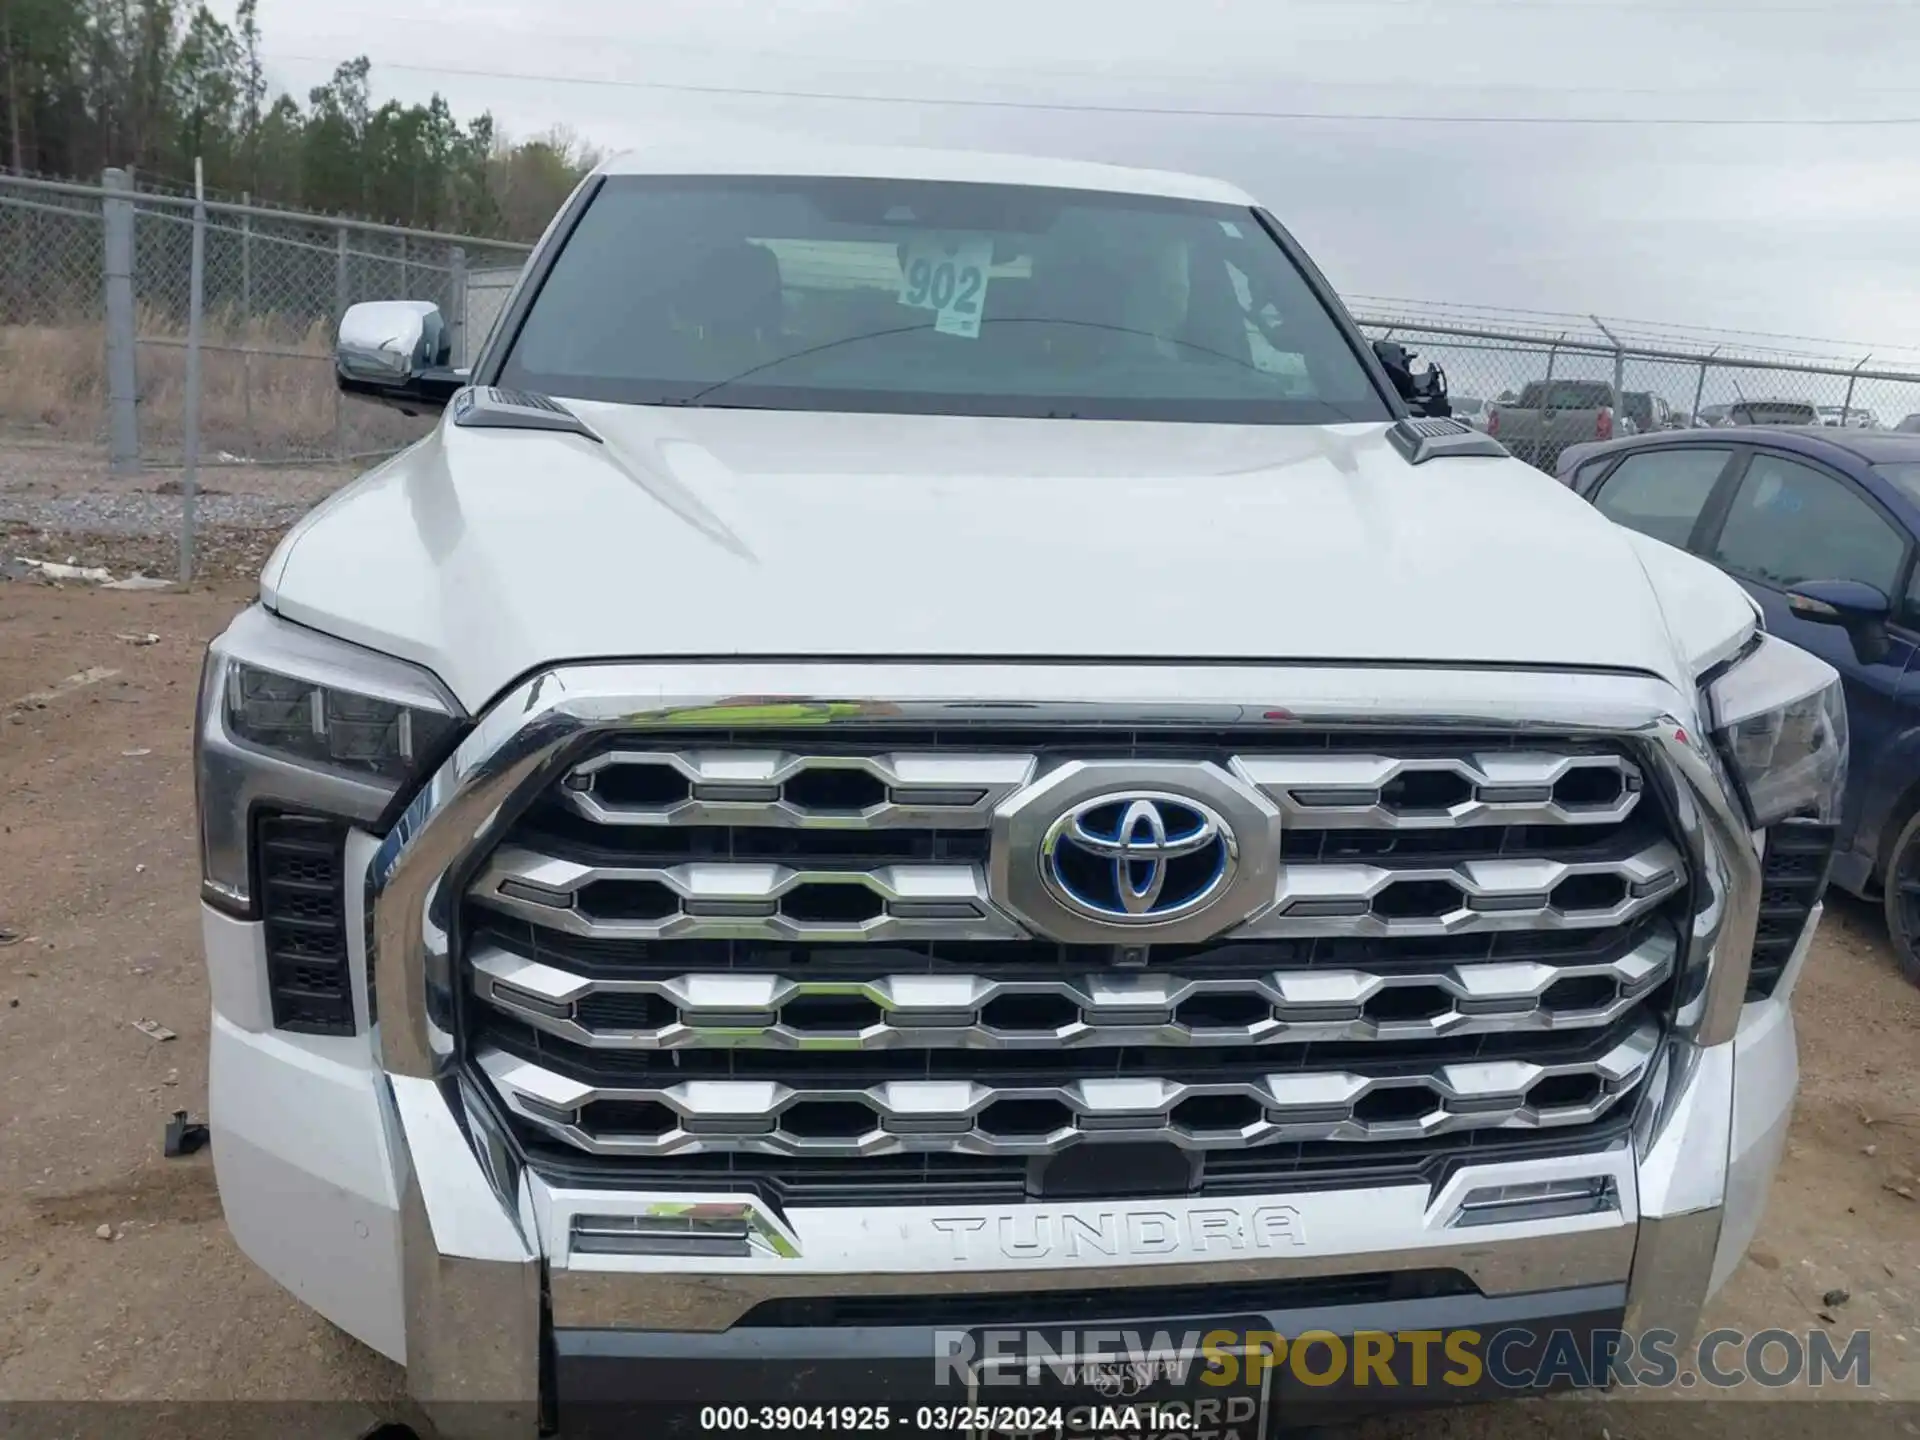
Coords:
pixel 1773 412
pixel 1840 416
pixel 1553 414
pixel 1469 410
pixel 1910 425
pixel 1820 525
pixel 1709 417
pixel 1650 412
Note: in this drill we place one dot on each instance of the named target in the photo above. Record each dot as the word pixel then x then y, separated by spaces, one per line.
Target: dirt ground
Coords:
pixel 118 1279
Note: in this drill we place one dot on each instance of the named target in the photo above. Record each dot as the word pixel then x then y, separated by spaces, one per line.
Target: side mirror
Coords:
pixel 397 353
pixel 1426 393
pixel 1856 607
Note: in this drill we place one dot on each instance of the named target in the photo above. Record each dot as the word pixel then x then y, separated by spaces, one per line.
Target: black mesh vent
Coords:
pixel 301 860
pixel 1082 1306
pixel 367 948
pixel 1792 881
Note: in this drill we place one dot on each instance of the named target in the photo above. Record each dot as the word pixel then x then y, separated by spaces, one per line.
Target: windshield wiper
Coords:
pixel 699 396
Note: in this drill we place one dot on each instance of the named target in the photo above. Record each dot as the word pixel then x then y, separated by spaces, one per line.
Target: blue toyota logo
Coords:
pixel 1137 858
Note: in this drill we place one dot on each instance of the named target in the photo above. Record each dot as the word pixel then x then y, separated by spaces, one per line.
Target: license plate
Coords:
pixel 1145 1397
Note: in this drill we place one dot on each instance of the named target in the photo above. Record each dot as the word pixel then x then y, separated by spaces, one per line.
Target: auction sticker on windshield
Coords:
pixel 949 277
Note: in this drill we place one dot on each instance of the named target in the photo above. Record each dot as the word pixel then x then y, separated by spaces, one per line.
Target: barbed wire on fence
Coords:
pixel 1653 334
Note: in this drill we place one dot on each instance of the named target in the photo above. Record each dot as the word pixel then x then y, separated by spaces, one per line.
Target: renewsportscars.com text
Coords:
pixel 1520 1357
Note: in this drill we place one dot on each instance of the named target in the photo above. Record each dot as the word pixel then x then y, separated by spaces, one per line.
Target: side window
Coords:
pixel 1662 492
pixel 1584 475
pixel 1907 615
pixel 1790 522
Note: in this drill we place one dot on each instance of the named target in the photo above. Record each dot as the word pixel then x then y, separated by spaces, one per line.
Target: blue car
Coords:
pixel 1820 526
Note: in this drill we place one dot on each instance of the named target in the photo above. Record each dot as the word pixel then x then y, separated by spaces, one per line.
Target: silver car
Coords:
pixel 1774 412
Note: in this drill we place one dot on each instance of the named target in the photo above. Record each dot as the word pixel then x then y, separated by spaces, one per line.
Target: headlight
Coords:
pixel 294 721
pixel 1780 718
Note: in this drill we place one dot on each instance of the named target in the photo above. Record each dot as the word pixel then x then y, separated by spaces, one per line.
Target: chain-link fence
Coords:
pixel 97 300
pixel 1664 378
pixel 273 284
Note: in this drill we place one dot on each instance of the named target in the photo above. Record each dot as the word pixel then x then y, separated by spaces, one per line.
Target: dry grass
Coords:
pixel 267 388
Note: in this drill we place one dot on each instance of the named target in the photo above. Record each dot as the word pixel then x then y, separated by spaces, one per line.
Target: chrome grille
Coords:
pixel 793 948
pixel 1016 1114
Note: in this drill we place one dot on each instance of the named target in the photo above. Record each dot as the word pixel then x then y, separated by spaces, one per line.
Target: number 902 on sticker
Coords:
pixel 948 277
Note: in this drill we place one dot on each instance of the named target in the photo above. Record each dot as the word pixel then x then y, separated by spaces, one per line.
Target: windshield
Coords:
pixel 934 298
pixel 1567 395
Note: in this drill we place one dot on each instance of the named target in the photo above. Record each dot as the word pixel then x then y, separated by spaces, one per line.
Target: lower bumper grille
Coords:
pixel 1793 878
pixel 1463 948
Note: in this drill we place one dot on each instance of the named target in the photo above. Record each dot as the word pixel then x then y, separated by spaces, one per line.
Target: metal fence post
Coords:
pixel 339 311
pixel 1700 387
pixel 1619 368
pixel 457 300
pixel 246 310
pixel 123 429
pixel 1846 408
pixel 196 307
pixel 1553 352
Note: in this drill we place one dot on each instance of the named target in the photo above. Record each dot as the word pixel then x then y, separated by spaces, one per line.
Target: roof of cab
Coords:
pixel 783 155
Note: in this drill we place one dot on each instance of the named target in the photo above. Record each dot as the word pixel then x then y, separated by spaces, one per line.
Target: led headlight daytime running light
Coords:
pixel 1780 719
pixel 294 720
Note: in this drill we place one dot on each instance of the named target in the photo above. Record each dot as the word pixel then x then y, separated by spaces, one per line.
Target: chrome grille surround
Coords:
pixel 524 747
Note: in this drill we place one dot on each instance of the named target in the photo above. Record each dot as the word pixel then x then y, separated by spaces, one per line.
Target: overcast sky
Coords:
pixel 1806 230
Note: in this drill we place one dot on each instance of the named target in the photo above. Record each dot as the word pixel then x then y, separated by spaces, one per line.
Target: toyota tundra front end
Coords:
pixel 727 886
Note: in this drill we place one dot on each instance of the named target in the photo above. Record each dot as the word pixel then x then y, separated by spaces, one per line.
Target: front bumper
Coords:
pixel 394 1212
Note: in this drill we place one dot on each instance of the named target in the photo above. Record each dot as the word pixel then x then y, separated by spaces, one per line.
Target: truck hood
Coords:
pixel 483 555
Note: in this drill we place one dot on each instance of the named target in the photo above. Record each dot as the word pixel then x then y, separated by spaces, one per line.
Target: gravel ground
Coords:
pixel 119 1282
pixel 59 503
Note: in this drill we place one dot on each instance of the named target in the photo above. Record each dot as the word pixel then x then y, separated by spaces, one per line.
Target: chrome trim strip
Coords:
pixel 1498 894
pixel 731 900
pixel 957 1116
pixel 975 1250
pixel 470 1275
pixel 1487 894
pixel 913 783
pixel 1496 788
pixel 744 1009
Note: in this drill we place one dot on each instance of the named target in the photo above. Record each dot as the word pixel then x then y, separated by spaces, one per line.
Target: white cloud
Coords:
pixel 1794 230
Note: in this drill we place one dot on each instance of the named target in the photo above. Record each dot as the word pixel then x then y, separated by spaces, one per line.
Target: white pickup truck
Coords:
pixel 935 749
